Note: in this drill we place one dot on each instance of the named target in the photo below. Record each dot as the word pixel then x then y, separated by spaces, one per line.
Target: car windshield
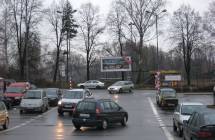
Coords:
pixel 119 83
pixel 209 119
pixel 33 95
pixel 73 94
pixel 15 90
pixel 189 109
pixel 168 93
pixel 51 93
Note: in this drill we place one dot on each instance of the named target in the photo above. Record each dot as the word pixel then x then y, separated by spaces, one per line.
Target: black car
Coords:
pixel 53 96
pixel 200 126
pixel 7 101
pixel 99 113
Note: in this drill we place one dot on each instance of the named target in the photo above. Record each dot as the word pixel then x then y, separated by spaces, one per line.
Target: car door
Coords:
pixel 88 84
pixel 176 115
pixel 45 99
pixel 107 111
pixel 116 112
pixel 2 113
pixel 188 130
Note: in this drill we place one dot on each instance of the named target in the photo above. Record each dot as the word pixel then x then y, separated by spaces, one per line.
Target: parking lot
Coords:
pixel 146 121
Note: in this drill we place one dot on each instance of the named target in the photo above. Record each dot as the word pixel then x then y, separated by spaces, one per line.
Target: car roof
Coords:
pixel 191 103
pixel 96 100
pixel 76 89
pixel 35 90
pixel 167 89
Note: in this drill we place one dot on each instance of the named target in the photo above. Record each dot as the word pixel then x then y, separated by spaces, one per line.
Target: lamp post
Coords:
pixel 131 29
pixel 156 23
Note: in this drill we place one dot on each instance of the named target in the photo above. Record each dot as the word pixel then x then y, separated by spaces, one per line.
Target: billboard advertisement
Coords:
pixel 113 64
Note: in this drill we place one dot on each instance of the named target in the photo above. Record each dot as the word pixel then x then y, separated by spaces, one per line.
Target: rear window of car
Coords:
pixel 209 119
pixel 168 93
pixel 86 106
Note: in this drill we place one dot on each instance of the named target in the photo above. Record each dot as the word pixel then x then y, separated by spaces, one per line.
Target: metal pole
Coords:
pixel 157 42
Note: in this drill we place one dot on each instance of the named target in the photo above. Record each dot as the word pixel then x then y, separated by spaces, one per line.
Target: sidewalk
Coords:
pixel 197 93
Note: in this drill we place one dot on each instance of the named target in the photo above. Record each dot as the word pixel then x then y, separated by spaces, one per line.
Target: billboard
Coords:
pixel 112 64
pixel 172 77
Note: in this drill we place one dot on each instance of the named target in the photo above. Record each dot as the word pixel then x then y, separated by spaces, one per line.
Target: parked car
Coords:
pixel 16 91
pixel 182 113
pixel 53 96
pixel 121 86
pixel 6 101
pixel 98 112
pixel 91 84
pixel 166 97
pixel 70 98
pixel 34 100
pixel 4 117
pixel 200 126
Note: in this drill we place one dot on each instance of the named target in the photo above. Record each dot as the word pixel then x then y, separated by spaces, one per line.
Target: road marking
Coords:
pixel 161 123
pixel 28 121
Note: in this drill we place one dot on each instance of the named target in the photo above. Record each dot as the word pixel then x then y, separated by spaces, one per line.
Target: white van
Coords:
pixel 34 100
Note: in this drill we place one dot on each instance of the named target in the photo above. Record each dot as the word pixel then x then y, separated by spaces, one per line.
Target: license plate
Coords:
pixel 171 104
pixel 84 115
pixel 68 105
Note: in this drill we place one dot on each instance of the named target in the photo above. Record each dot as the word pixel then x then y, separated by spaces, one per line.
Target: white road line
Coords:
pixel 161 123
pixel 27 122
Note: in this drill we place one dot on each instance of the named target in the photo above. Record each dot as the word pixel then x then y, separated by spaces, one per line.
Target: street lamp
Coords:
pixel 131 24
pixel 156 22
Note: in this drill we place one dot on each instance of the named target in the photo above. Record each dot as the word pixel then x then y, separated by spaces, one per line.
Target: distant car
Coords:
pixel 183 112
pixel 7 101
pixel 200 126
pixel 166 97
pixel 70 98
pixel 121 86
pixel 4 117
pixel 100 113
pixel 92 84
pixel 16 91
pixel 34 100
pixel 53 96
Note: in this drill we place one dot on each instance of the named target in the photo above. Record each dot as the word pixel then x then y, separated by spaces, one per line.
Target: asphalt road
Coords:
pixel 146 121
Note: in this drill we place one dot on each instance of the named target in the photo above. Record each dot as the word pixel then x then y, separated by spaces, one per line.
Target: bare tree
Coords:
pixel 142 21
pixel 55 19
pixel 26 14
pixel 186 33
pixel 5 33
pixel 90 31
pixel 116 22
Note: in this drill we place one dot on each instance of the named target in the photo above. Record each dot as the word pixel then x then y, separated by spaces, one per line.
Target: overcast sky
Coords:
pixel 172 5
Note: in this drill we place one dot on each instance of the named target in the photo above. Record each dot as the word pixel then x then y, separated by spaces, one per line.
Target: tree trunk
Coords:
pixel 140 63
pixel 56 64
pixel 88 67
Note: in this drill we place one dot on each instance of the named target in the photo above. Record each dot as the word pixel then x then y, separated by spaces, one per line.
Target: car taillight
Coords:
pixel 98 111
pixel 204 134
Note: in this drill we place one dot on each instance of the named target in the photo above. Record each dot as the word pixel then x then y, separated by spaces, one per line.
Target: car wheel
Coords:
pixel 43 109
pixel 98 87
pixel 124 121
pixel 104 124
pixel 6 124
pixel 109 92
pixel 60 113
pixel 21 111
pixel 180 133
pixel 120 90
pixel 77 126
pixel 130 90
pixel 82 86
pixel 174 127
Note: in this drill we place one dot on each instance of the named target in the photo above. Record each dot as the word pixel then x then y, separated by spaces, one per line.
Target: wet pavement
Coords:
pixel 142 122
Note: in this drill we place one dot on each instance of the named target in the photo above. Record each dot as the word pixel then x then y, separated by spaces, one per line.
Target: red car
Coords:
pixel 16 91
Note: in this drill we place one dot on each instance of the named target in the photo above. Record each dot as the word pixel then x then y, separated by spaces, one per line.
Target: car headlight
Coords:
pixel 60 102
